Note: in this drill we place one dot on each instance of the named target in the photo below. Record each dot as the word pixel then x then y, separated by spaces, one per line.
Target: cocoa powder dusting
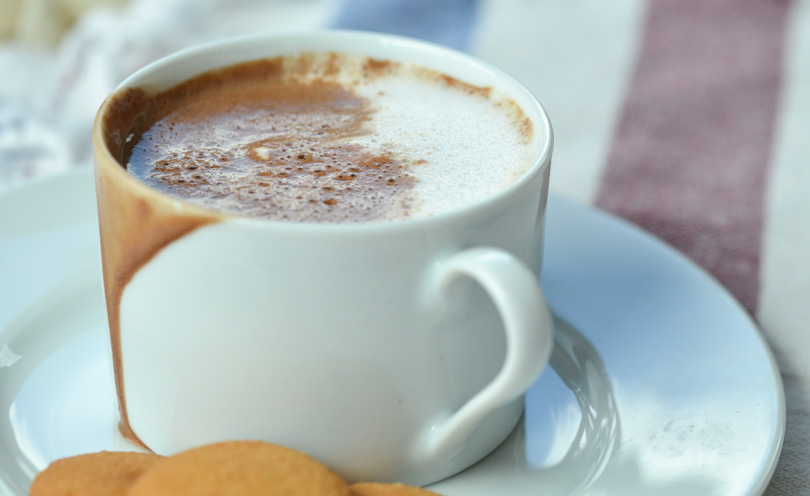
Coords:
pixel 483 91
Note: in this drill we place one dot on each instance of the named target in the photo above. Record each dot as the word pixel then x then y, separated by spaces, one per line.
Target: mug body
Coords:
pixel 323 337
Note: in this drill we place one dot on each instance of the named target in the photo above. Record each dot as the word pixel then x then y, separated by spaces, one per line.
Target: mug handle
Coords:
pixel 516 293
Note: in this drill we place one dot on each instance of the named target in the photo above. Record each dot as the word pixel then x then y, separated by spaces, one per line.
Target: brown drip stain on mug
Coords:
pixel 135 230
pixel 135 224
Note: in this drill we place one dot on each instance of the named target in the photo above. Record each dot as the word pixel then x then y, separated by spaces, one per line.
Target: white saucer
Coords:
pixel 667 388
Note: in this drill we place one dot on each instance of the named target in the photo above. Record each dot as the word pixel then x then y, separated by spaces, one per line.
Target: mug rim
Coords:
pixel 540 163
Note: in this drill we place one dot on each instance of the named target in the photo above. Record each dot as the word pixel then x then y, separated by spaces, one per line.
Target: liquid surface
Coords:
pixel 329 138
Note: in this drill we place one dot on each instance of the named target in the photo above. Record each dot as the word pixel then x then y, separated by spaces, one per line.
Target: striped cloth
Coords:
pixel 690 118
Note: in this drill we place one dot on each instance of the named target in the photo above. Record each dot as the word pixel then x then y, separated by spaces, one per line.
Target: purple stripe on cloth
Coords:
pixel 446 22
pixel 690 158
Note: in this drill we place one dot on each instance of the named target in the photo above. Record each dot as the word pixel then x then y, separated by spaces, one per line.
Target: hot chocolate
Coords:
pixel 328 138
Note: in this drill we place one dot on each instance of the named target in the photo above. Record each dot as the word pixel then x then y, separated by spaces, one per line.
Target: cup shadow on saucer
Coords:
pixel 569 431
pixel 580 367
pixel 587 444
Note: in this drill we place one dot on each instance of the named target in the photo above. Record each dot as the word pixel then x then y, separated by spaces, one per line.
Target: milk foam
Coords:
pixel 472 145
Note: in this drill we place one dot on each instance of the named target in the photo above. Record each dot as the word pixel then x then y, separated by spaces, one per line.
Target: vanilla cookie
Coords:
pixel 382 489
pixel 240 468
pixel 106 473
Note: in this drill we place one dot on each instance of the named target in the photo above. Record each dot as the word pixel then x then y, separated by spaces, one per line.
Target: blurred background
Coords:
pixel 689 118
pixel 60 58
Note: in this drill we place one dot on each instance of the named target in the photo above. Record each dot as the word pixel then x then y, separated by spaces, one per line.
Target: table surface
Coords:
pixel 687 118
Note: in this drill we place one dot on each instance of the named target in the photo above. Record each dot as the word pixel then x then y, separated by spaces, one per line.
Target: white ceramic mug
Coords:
pixel 393 351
